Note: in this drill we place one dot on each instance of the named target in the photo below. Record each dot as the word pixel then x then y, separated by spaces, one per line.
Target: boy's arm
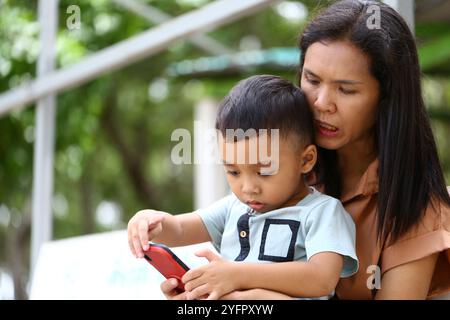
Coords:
pixel 158 226
pixel 190 228
pixel 182 230
pixel 316 278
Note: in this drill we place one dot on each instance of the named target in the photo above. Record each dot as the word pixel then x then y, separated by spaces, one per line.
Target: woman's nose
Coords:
pixel 324 101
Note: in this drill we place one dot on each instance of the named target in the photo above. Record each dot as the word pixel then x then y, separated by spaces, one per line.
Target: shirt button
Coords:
pixel 243 234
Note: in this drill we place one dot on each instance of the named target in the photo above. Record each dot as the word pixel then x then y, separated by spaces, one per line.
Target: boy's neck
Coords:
pixel 301 193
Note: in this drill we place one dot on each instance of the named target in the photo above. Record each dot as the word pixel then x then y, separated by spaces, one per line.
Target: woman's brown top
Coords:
pixel 430 236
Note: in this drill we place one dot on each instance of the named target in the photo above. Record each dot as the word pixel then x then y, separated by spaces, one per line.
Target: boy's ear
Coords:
pixel 309 158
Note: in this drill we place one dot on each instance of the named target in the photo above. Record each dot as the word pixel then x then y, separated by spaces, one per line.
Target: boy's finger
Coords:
pixel 143 233
pixel 156 218
pixel 193 284
pixel 198 292
pixel 208 254
pixel 130 244
pixel 213 296
pixel 137 245
pixel 154 232
pixel 130 241
pixel 192 274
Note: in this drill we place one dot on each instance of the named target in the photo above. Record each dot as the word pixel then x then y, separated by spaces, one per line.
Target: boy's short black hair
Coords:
pixel 267 102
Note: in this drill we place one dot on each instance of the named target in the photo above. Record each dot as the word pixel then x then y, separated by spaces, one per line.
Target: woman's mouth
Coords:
pixel 326 129
pixel 255 205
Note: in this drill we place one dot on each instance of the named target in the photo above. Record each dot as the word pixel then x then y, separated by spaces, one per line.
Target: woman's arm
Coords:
pixel 409 281
pixel 255 294
pixel 168 287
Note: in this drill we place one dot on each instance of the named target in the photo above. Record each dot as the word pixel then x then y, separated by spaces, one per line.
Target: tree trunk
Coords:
pixel 18 240
pixel 132 158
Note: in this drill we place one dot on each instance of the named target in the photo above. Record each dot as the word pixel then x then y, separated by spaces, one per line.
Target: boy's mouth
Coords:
pixel 255 205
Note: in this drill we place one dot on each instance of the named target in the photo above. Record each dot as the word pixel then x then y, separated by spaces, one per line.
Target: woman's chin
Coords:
pixel 328 144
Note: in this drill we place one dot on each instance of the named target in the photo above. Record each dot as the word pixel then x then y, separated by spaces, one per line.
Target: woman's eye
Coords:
pixel 345 91
pixel 312 82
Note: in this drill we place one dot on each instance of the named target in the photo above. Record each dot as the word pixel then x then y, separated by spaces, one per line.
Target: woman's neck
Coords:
pixel 353 161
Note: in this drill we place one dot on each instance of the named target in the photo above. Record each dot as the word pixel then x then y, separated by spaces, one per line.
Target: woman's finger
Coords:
pixel 169 288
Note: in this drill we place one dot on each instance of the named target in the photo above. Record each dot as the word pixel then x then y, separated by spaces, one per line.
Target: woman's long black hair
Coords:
pixel 410 174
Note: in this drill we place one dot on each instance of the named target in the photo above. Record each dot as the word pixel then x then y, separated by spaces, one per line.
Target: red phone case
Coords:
pixel 166 262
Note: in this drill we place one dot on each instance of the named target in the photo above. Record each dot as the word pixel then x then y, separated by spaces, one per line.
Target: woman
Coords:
pixel 378 153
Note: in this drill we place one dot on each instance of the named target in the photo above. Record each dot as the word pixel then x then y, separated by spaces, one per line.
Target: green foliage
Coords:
pixel 435 54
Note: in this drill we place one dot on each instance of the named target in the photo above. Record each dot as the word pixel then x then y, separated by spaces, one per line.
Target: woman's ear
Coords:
pixel 309 158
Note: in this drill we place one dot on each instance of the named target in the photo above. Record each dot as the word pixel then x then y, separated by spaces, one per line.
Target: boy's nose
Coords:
pixel 248 187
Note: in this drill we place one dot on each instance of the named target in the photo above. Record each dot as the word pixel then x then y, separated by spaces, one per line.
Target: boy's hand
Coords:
pixel 142 228
pixel 213 280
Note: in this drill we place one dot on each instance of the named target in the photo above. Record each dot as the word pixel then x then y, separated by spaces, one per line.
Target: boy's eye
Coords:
pixel 233 173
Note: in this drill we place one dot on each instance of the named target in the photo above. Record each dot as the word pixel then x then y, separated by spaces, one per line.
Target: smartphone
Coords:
pixel 166 262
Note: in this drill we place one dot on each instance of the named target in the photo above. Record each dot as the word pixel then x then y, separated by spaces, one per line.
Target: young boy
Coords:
pixel 272 214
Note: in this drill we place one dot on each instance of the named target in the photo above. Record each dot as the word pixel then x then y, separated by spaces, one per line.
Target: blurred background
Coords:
pixel 113 134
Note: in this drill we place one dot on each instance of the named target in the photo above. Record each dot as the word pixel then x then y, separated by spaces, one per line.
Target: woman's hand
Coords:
pixel 212 281
pixel 169 288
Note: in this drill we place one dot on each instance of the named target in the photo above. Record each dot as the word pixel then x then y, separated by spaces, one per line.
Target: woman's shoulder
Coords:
pixel 437 215
pixel 436 219
pixel 430 235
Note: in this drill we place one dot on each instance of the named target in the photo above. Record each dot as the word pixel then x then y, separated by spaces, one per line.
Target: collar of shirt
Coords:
pixel 368 184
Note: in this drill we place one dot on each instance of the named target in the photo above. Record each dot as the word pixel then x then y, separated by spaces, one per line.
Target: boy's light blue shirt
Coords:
pixel 318 223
